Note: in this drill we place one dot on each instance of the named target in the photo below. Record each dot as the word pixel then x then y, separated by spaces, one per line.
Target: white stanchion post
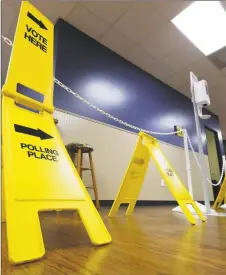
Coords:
pixel 188 172
pixel 189 178
pixel 223 206
pixel 188 164
pixel 200 145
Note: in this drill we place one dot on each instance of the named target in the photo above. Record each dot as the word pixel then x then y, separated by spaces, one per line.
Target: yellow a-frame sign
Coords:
pixel 148 147
pixel 38 173
pixel 221 196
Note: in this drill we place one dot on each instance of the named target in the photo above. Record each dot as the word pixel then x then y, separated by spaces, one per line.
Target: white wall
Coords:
pixel 113 149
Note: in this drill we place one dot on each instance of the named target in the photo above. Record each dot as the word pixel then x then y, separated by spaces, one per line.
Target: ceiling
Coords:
pixel 139 31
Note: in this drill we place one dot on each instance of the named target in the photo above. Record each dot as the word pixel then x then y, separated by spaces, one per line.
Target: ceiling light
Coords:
pixel 204 23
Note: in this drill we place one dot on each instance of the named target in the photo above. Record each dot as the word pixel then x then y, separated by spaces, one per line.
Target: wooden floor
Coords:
pixel 154 241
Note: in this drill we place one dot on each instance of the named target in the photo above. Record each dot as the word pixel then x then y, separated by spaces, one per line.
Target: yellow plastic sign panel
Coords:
pixel 133 179
pixel 38 172
pixel 3 218
pixel 32 58
pixel 178 128
pixel 173 182
pixel 221 196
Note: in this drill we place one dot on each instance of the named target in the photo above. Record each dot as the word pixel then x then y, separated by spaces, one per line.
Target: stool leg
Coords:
pixel 79 154
pixel 78 162
pixel 94 182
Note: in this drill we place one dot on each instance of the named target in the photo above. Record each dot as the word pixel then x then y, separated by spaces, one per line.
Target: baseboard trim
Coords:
pixel 108 203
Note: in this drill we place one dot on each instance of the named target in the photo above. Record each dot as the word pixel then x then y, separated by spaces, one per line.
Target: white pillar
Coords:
pixel 200 146
pixel 188 165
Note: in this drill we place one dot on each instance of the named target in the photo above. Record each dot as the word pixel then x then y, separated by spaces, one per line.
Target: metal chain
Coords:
pixel 10 43
pixel 7 40
pixel 221 176
pixel 193 151
pixel 196 159
pixel 109 115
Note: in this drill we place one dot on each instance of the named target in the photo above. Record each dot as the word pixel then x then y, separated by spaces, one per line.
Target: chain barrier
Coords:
pixel 10 43
pixel 109 115
pixel 221 176
pixel 199 165
pixel 7 40
pixel 193 151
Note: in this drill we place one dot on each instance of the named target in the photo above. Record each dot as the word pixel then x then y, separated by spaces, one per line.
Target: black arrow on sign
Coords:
pixel 39 22
pixel 32 132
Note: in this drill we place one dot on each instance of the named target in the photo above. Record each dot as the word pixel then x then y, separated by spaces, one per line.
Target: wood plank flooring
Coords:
pixel 154 241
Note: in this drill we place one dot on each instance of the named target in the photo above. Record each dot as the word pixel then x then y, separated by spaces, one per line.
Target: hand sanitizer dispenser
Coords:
pixel 202 98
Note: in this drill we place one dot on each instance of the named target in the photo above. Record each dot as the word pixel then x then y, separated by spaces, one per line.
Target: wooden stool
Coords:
pixel 79 150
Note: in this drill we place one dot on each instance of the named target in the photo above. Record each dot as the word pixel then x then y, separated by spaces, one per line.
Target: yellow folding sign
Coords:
pixel 221 195
pixel 38 172
pixel 133 179
pixel 147 147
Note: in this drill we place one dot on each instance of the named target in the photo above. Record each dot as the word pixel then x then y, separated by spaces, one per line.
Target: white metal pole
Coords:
pixel 201 153
pixel 188 165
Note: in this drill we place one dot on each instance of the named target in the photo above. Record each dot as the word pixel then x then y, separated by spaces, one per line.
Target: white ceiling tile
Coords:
pixel 185 78
pixel 159 70
pixel 171 8
pixel 221 85
pixel 8 18
pixel 217 95
pixel 6 52
pixel 165 41
pixel 12 7
pixel 217 101
pixel 204 65
pixel 185 74
pixel 140 21
pixel 176 81
pixel 15 4
pixel 203 69
pixel 223 3
pixel 51 9
pixel 54 10
pixel 115 41
pixel 182 57
pixel 223 71
pixel 86 21
pixel 140 57
pixel 212 75
pixel 108 11
pixel 12 31
pixel 221 55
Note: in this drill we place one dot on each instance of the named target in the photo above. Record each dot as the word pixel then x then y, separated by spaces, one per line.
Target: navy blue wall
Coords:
pixel 118 87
